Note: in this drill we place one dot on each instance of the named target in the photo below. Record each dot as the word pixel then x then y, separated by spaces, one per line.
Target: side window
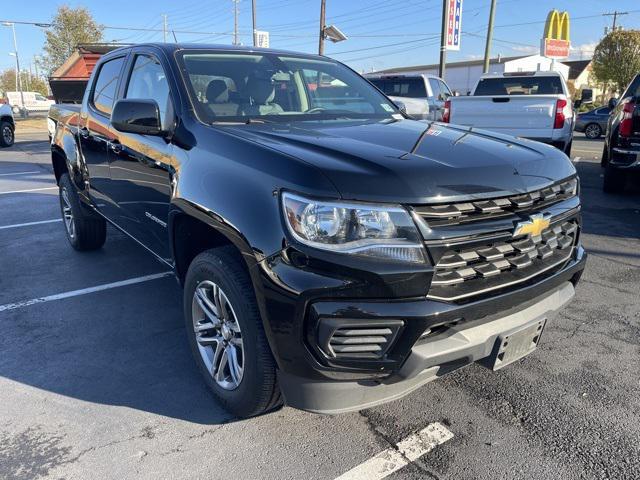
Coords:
pixel 435 88
pixel 104 91
pixel 603 111
pixel 444 90
pixel 148 82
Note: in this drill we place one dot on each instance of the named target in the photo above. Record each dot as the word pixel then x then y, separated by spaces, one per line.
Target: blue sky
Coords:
pixel 382 33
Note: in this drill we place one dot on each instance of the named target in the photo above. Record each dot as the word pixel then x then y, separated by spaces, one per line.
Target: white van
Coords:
pixel 33 102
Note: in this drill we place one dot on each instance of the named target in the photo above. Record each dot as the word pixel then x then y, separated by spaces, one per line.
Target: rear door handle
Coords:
pixel 84 132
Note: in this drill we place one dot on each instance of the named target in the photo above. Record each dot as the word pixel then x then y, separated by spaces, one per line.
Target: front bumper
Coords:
pixel 293 298
pixel 460 346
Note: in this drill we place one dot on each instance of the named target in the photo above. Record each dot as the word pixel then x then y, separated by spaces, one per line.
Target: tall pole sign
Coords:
pixel 556 41
pixel 454 24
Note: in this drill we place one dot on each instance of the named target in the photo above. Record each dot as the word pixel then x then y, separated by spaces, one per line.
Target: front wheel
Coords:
pixel 85 230
pixel 226 336
pixel 593 131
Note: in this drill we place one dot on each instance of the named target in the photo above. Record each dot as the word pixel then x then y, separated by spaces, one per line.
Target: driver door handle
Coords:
pixel 115 146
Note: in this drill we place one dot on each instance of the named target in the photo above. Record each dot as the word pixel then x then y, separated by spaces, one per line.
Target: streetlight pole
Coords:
pixel 15 50
pixel 322 22
pixel 253 18
pixel 487 48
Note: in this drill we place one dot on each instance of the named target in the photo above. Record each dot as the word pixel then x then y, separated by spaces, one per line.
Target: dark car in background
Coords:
pixel 621 153
pixel 593 123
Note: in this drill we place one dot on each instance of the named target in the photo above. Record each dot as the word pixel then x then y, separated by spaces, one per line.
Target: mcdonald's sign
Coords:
pixel 556 39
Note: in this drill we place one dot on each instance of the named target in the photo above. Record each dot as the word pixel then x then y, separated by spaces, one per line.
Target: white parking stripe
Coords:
pixel 28 224
pixel 30 190
pixel 20 173
pixel 393 459
pixel 83 291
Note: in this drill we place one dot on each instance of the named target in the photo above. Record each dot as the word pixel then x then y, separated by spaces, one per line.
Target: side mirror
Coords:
pixel 576 104
pixel 612 103
pixel 401 106
pixel 136 116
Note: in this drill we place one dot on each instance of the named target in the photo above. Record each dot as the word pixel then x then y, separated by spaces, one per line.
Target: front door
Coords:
pixel 142 166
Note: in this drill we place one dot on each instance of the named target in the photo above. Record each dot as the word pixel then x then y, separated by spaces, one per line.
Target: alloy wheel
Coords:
pixel 218 334
pixel 592 131
pixel 67 214
pixel 7 135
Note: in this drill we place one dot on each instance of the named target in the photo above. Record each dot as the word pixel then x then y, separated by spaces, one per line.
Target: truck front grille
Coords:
pixel 462 212
pixel 463 272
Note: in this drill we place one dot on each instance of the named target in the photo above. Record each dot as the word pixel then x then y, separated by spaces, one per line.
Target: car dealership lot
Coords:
pixel 99 383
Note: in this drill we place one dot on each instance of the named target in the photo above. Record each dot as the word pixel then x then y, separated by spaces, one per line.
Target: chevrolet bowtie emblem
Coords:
pixel 536 224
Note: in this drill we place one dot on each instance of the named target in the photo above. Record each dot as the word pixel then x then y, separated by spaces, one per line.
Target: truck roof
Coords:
pixel 170 48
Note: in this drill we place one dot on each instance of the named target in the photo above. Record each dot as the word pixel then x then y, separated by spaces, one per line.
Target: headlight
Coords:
pixel 360 229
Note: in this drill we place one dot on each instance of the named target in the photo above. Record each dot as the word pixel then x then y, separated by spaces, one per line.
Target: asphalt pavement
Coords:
pixel 97 380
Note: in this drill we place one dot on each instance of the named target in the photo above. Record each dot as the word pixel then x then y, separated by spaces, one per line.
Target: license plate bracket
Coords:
pixel 514 345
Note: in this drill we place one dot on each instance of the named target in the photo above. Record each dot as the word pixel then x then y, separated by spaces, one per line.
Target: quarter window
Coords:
pixel 104 92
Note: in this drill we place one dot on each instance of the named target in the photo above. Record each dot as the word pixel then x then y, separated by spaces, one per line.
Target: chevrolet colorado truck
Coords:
pixel 621 152
pixel 532 105
pixel 334 254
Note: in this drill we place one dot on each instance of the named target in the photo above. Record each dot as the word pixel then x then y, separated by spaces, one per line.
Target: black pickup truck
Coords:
pixel 334 254
pixel 621 153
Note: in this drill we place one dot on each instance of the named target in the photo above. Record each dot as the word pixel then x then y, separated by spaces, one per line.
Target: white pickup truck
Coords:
pixel 533 105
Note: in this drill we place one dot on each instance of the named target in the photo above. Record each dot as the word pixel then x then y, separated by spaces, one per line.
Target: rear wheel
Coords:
pixel 614 180
pixel 7 134
pixel 593 131
pixel 85 229
pixel 225 332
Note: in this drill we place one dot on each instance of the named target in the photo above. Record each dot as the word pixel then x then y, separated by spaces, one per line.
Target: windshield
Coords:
pixel 519 86
pixel 237 86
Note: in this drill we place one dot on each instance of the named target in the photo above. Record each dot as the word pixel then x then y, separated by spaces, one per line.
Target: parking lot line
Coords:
pixel 28 224
pixel 30 190
pixel 393 459
pixel 83 291
pixel 20 173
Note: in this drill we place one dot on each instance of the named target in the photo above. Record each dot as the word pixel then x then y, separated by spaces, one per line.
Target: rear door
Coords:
pixel 95 133
pixel 142 166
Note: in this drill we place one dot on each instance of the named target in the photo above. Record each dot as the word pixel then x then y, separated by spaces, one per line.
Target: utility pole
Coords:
pixel 253 17
pixel 164 28
pixel 15 51
pixel 322 25
pixel 235 22
pixel 614 14
pixel 443 41
pixel 487 48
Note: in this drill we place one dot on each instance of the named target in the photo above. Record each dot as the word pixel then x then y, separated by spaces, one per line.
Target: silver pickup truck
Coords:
pixel 532 105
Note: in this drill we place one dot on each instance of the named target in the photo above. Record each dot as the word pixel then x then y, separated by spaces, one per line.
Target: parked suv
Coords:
pixel 429 90
pixel 621 153
pixel 334 254
pixel 7 126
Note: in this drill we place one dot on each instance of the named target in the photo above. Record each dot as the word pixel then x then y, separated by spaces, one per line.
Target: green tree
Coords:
pixel 30 83
pixel 70 27
pixel 616 59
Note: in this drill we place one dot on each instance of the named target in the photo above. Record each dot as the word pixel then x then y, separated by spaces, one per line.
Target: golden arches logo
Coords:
pixel 557 26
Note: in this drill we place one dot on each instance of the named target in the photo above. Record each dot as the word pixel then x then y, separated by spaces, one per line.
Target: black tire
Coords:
pixel 258 391
pixel 604 160
pixel 567 149
pixel 593 131
pixel 88 231
pixel 614 180
pixel 7 134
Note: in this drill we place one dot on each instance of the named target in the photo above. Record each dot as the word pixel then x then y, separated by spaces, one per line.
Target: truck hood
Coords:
pixel 406 161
